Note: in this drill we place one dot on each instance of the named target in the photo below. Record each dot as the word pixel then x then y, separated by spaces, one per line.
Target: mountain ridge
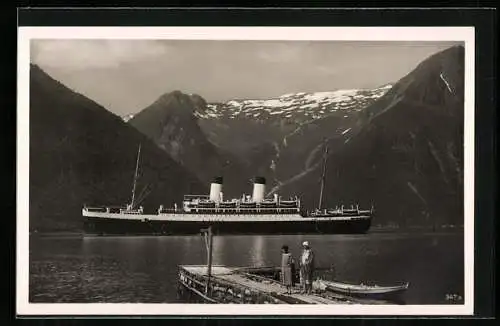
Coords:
pixel 80 153
pixel 407 157
pixel 172 124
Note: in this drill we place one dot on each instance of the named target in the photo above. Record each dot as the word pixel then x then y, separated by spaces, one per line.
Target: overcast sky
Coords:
pixel 125 76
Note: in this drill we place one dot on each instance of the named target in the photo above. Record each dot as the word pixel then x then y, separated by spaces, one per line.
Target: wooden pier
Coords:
pixel 246 285
pixel 249 285
pixel 239 285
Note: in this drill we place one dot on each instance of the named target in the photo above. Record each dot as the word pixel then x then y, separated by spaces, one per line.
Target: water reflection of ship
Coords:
pixel 220 250
pixel 257 251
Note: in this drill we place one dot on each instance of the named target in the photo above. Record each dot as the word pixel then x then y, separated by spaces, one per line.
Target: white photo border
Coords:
pixel 26 34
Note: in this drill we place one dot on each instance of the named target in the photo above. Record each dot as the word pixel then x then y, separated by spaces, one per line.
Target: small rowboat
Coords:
pixel 365 290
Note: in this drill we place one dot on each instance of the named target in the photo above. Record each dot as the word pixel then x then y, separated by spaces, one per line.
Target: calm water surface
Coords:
pixel 144 269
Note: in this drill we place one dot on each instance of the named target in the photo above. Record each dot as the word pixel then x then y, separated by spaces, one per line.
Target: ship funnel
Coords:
pixel 259 187
pixel 216 189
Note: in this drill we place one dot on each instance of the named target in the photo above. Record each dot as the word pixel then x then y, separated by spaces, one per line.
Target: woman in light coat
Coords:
pixel 286 269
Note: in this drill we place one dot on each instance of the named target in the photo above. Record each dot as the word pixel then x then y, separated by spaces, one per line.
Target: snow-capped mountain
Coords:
pixel 296 106
pixel 293 106
pixel 288 127
pixel 281 137
pixel 268 136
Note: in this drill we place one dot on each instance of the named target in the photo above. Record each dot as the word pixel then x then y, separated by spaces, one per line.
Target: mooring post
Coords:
pixel 209 235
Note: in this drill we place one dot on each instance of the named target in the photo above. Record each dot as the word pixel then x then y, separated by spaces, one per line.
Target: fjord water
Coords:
pixel 144 269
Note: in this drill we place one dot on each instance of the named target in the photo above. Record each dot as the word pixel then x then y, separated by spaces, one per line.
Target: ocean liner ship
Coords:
pixel 250 214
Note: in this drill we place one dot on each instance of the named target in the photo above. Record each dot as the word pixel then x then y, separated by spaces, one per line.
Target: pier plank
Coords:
pixel 233 275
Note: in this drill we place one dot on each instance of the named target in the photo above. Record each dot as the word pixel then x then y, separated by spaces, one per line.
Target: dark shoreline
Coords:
pixel 56 233
pixel 374 230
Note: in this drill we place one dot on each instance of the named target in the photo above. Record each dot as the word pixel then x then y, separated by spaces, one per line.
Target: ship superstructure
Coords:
pixel 256 203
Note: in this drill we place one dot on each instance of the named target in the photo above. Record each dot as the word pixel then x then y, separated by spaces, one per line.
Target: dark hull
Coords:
pixel 103 226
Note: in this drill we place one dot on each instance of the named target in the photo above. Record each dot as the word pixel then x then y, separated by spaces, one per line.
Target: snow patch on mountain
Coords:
pixel 446 82
pixel 127 117
pixel 346 131
pixel 294 105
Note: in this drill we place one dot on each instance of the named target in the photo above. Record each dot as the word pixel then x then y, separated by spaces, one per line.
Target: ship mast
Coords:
pixel 135 176
pixel 323 176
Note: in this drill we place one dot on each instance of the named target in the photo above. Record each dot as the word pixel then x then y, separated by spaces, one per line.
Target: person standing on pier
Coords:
pixel 306 267
pixel 286 269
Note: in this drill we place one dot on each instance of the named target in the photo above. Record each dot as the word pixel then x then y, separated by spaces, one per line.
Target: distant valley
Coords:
pixel 278 138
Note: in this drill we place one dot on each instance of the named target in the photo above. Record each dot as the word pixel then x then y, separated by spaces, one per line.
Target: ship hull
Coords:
pixel 116 226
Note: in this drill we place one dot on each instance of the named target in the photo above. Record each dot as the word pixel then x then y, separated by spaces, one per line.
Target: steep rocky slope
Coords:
pixel 81 153
pixel 407 154
pixel 172 123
